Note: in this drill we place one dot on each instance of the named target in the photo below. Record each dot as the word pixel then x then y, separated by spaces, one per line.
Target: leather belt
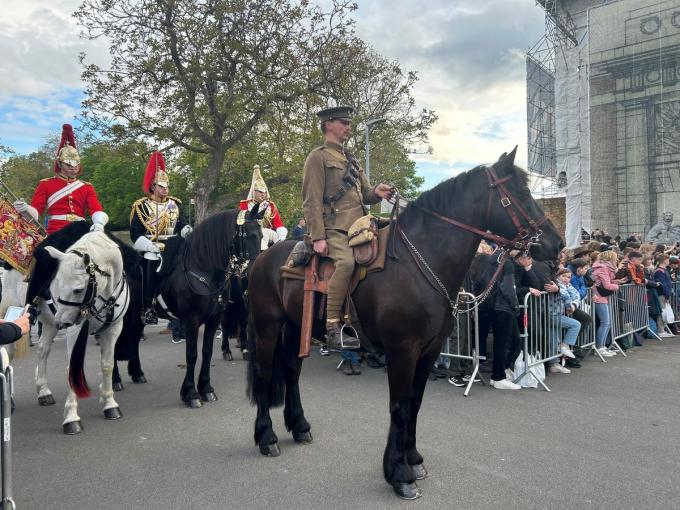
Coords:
pixel 66 217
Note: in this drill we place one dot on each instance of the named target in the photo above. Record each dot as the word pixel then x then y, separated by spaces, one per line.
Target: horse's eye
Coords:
pixel 78 291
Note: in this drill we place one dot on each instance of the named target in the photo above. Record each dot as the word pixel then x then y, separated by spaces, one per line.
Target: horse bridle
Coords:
pixel 88 306
pixel 524 237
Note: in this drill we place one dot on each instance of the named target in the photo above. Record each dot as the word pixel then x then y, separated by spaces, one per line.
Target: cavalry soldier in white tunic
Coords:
pixel 153 220
pixel 334 189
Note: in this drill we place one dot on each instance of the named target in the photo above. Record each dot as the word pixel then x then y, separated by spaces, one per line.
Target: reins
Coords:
pixel 88 306
pixel 520 242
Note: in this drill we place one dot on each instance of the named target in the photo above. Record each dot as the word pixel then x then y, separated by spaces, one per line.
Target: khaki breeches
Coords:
pixel 343 258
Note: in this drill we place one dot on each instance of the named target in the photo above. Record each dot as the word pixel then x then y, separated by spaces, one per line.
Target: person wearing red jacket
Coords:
pixel 66 199
pixel 272 225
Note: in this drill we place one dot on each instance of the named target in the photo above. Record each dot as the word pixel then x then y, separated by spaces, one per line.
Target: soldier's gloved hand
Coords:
pixel 281 234
pixel 144 244
pixel 97 227
pixel 186 230
pixel 20 205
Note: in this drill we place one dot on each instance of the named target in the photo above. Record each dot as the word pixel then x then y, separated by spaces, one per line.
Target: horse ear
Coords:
pixel 252 214
pixel 54 253
pixel 510 160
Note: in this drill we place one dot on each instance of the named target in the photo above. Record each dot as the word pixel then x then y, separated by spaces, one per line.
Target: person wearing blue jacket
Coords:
pixel 664 291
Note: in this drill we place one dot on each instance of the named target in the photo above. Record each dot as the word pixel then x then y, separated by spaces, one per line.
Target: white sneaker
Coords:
pixel 559 369
pixel 505 385
pixel 566 351
pixel 604 352
pixel 666 335
pixel 612 352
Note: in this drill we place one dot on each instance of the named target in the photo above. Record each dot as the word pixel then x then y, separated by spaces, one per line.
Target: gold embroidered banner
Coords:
pixel 18 237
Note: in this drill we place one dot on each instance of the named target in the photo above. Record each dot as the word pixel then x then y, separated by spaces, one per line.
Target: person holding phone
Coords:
pixel 11 331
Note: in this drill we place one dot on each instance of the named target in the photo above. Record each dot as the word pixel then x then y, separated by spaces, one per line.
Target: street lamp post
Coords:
pixel 368 124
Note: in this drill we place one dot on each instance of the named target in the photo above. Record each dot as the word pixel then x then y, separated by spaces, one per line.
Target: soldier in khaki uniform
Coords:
pixel 334 189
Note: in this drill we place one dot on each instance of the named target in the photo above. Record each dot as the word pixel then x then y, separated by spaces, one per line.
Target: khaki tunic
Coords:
pixel 323 172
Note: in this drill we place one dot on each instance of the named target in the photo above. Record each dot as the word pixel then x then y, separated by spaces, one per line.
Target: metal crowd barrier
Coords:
pixel 675 301
pixel 541 333
pixel 6 388
pixel 463 342
pixel 587 336
pixel 628 312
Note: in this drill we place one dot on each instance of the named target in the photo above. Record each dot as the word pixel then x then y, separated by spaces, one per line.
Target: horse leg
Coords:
pixel 106 343
pixel 423 368
pixel 243 339
pixel 45 397
pixel 116 381
pixel 188 392
pixel 71 424
pixel 226 351
pixel 135 370
pixel 205 390
pixel 266 388
pixel 294 415
pixel 396 469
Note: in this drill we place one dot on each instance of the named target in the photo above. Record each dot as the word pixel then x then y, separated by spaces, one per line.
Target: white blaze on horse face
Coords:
pixel 70 284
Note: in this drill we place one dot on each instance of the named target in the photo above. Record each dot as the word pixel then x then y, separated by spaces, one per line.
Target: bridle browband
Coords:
pixel 513 208
pixel 88 306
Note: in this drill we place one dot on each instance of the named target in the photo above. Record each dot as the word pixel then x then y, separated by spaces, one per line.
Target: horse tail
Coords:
pixel 76 372
pixel 276 391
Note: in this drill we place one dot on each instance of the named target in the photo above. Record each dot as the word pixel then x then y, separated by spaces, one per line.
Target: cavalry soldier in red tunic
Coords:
pixel 66 199
pixel 153 220
pixel 334 189
pixel 272 226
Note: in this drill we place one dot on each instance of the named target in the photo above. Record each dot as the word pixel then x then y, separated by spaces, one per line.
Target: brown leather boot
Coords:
pixel 333 340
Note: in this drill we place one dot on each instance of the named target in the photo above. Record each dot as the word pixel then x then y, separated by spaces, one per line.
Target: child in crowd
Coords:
pixel 570 300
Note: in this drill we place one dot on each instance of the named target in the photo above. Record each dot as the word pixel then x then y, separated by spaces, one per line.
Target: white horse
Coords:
pixel 89 296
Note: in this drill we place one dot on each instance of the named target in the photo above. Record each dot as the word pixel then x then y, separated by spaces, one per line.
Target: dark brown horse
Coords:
pixel 406 309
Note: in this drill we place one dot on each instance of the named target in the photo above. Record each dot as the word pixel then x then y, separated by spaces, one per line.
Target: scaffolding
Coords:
pixel 540 68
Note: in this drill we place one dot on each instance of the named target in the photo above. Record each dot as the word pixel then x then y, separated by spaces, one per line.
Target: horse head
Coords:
pixel 514 214
pixel 70 286
pixel 252 233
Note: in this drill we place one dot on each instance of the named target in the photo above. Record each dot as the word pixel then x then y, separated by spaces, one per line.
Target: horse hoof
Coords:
pixel 139 379
pixel 117 386
pixel 270 450
pixel 73 427
pixel 209 397
pixel 113 413
pixel 407 490
pixel 227 356
pixel 245 354
pixel 419 471
pixel 303 437
pixel 193 403
pixel 46 400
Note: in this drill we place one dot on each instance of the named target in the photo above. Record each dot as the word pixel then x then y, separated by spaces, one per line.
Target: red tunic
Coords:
pixel 69 201
pixel 272 218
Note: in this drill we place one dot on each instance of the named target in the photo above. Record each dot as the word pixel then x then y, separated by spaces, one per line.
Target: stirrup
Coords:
pixel 342 337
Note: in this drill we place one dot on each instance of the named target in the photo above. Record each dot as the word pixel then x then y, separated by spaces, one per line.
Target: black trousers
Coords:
pixel 506 341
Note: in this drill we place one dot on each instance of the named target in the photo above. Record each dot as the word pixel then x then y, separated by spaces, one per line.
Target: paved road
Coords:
pixel 606 437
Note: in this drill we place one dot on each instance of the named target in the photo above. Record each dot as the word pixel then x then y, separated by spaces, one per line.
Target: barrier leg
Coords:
pixel 619 348
pixel 6 449
pixel 545 387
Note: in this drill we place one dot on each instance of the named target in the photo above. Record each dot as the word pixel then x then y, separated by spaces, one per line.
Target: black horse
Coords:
pixel 196 288
pixel 406 309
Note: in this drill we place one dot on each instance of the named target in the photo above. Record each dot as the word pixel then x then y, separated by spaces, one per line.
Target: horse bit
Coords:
pixel 88 307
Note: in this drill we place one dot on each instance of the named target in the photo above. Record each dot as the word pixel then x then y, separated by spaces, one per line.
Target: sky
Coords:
pixel 469 56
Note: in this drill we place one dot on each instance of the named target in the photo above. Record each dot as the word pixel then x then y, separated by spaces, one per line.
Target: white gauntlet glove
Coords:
pixel 281 234
pixel 26 210
pixel 144 244
pixel 186 230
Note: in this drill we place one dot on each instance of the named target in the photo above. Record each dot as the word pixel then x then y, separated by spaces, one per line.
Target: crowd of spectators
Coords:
pixel 602 263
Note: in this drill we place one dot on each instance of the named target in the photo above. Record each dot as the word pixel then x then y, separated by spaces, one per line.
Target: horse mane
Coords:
pixel 439 197
pixel 100 247
pixel 209 244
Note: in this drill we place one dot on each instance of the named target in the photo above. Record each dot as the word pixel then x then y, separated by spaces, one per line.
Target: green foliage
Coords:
pixel 21 174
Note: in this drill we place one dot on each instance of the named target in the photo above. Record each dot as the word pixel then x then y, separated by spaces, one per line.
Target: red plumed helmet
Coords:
pixel 155 172
pixel 67 151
